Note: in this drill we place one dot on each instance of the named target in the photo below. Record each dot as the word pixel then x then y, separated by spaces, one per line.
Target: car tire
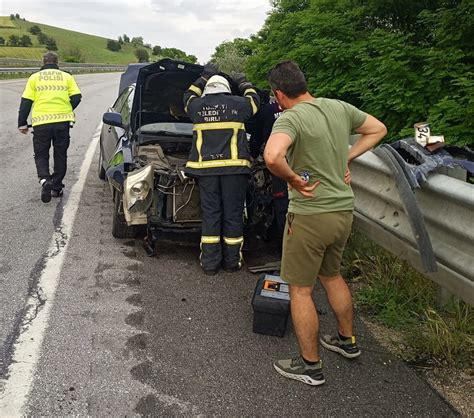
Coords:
pixel 101 170
pixel 120 229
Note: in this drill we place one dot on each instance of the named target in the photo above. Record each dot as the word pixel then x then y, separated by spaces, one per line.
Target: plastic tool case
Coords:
pixel 271 306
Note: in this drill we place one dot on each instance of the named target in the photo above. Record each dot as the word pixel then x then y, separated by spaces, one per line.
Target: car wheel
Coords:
pixel 120 229
pixel 101 170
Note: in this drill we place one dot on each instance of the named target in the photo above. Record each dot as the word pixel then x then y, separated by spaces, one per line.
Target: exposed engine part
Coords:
pixel 259 204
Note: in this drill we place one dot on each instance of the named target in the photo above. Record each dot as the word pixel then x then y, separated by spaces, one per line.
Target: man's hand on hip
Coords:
pixel 347 176
pixel 302 186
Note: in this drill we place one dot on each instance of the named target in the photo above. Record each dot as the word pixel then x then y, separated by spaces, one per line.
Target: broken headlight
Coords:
pixel 140 190
pixel 137 190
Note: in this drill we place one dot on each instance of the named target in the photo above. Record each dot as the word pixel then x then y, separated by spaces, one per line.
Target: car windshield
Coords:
pixel 168 128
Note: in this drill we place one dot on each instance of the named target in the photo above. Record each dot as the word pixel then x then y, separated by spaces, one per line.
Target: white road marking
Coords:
pixel 28 347
pixel 14 81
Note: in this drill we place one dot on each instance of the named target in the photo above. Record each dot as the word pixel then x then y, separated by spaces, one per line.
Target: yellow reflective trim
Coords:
pixel 51 118
pixel 218 125
pixel 187 104
pixel 218 163
pixel 199 145
pixel 195 89
pixel 234 151
pixel 207 239
pixel 234 241
pixel 254 106
pixel 353 339
pixel 247 91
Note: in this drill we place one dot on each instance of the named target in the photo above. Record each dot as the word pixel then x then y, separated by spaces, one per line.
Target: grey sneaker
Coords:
pixel 348 348
pixel 297 369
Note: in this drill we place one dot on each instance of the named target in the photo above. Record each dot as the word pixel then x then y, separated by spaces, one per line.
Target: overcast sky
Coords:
pixel 194 26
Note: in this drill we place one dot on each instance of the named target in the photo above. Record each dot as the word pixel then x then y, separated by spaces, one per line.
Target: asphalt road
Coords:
pixel 132 335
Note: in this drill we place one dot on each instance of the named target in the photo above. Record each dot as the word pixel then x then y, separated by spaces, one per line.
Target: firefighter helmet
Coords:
pixel 216 84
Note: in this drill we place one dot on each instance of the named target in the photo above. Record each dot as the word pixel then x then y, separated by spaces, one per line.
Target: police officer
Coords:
pixel 220 159
pixel 54 95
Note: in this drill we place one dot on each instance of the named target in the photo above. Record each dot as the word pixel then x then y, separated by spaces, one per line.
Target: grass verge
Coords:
pixel 392 293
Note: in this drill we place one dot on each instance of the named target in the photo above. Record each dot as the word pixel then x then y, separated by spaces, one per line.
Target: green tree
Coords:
pixel 137 41
pixel 232 55
pixel 156 50
pixel 13 40
pixel 177 54
pixel 12 17
pixel 34 30
pixel 25 40
pixel 17 16
pixel 42 38
pixel 142 55
pixel 405 61
pixel 113 45
pixel 51 44
pixel 2 40
pixel 126 39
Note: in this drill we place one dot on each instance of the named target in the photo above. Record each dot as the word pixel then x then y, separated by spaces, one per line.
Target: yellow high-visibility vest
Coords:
pixel 50 90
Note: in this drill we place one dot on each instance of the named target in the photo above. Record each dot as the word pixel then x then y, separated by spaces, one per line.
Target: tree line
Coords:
pixel 25 40
pixel 405 61
pixel 142 49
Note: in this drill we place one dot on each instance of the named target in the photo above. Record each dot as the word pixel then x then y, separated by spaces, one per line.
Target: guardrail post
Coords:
pixel 443 296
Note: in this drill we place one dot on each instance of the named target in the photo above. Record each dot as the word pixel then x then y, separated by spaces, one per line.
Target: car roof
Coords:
pixel 130 76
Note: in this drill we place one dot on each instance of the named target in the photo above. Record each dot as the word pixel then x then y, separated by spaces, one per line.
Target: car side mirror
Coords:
pixel 113 119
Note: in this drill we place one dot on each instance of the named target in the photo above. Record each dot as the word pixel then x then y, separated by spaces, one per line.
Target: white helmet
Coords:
pixel 216 84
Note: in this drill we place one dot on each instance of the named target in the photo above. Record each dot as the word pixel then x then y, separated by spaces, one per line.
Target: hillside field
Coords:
pixel 93 48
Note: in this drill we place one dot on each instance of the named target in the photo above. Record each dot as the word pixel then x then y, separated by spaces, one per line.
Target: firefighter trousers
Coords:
pixel 222 205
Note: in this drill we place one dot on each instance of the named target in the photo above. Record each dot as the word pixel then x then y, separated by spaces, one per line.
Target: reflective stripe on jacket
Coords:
pixel 50 90
pixel 220 143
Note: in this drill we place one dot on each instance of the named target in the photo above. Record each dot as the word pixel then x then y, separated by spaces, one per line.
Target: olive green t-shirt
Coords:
pixel 320 130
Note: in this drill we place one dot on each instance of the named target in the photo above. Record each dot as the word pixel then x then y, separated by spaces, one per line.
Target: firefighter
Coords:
pixel 220 160
pixel 264 121
pixel 54 95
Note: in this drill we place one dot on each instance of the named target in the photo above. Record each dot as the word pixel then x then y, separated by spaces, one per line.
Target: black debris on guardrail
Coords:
pixel 404 178
pixel 418 161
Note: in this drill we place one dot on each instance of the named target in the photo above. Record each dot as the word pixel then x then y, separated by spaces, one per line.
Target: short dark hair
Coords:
pixel 50 58
pixel 288 77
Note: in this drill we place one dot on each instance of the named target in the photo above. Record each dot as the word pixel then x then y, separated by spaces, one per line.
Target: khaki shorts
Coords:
pixel 313 245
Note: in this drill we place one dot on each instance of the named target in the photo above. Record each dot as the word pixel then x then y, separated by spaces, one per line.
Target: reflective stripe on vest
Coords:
pixel 199 144
pixel 56 117
pixel 195 89
pixel 234 161
pixel 218 163
pixel 218 125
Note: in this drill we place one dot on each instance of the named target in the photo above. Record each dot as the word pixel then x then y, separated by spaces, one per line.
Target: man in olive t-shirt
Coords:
pixel 309 149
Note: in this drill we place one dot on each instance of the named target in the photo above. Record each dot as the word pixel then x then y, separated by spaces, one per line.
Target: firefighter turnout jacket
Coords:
pixel 220 143
pixel 52 93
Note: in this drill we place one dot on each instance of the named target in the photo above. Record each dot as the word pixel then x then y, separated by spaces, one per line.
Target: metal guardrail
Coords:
pixel 30 70
pixel 18 62
pixel 447 206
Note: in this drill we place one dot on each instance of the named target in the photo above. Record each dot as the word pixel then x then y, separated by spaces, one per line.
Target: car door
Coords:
pixel 111 135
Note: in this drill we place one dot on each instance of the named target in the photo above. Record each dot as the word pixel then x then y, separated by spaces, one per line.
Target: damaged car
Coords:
pixel 144 146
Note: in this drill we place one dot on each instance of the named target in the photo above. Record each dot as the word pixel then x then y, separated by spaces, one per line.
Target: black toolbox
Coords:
pixel 271 305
